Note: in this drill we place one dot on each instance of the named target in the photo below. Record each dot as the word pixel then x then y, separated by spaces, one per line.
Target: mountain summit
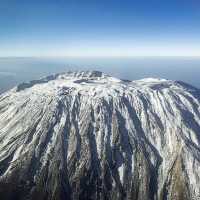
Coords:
pixel 87 135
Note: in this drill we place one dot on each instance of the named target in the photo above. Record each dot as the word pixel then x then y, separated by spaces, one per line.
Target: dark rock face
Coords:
pixel 86 135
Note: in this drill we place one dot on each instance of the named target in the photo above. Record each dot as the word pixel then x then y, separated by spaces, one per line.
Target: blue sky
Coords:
pixel 100 28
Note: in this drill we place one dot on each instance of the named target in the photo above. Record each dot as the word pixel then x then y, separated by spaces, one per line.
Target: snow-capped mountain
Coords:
pixel 87 135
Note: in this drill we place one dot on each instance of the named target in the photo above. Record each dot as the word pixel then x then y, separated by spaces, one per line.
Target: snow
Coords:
pixel 121 172
pixel 62 113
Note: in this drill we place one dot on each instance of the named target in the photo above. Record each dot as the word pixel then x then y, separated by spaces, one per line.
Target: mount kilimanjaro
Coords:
pixel 90 136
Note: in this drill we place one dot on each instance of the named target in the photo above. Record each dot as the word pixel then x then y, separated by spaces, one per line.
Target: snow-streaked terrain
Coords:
pixel 87 135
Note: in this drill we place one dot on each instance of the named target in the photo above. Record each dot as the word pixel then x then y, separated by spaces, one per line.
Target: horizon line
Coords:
pixel 103 56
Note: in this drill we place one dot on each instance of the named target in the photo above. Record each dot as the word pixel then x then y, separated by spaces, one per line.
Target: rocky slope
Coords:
pixel 86 135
